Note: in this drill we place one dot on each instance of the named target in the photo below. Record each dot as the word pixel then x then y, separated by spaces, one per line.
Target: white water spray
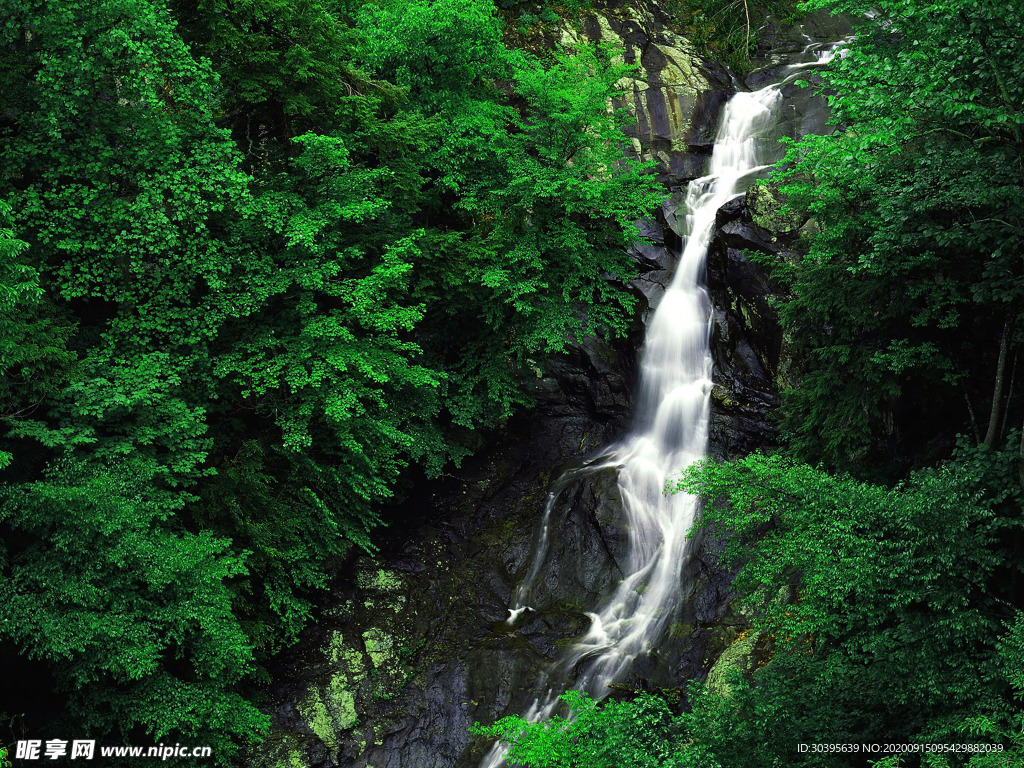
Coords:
pixel 670 431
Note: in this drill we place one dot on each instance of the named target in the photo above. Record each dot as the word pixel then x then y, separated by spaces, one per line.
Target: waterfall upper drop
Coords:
pixel 670 430
pixel 671 423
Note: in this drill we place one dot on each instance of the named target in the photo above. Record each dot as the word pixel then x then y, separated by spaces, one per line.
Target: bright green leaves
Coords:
pixel 641 734
pixel 343 192
pixel 285 67
pixel 135 208
pixel 958 65
pixel 123 203
pixel 862 551
pixel 444 52
pixel 258 258
pixel 33 356
pixel 19 283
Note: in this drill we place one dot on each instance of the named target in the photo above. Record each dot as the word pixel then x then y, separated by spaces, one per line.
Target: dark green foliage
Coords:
pixel 896 609
pixel 729 30
pixel 914 282
pixel 530 16
pixel 257 259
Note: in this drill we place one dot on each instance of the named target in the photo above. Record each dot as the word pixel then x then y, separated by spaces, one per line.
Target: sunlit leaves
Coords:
pixel 257 258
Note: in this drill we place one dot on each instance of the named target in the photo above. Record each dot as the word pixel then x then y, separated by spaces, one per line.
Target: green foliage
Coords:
pixel 19 284
pixel 728 31
pixel 892 629
pixel 526 199
pixel 894 579
pixel 256 259
pixel 642 733
pixel 530 14
pixel 914 278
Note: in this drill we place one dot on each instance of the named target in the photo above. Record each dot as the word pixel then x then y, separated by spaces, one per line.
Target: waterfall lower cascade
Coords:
pixel 670 429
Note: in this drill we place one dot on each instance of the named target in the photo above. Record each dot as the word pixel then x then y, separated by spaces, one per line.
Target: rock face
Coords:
pixel 412 646
pixel 746 336
pixel 676 97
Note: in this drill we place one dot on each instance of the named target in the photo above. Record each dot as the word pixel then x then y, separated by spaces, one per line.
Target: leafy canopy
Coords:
pixel 912 280
pixel 257 259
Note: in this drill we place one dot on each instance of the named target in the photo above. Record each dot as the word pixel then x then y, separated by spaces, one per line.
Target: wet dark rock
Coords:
pixel 675 212
pixel 763 77
pixel 651 230
pixel 804 112
pixel 704 124
pixel 729 212
pixel 746 334
pixel 744 277
pixel 788 40
pixel 653 257
pixel 746 235
pixel 679 167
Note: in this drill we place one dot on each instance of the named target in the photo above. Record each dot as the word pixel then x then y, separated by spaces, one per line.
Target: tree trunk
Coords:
pixel 974 419
pixel 1009 395
pixel 992 434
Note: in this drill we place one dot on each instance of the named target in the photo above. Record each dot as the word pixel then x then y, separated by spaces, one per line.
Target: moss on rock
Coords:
pixel 672 89
pixel 737 658
pixel 282 749
pixel 330 710
pixel 768 210
pixel 379 647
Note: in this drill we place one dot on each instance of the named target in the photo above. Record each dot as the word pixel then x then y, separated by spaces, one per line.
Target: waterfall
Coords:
pixel 670 429
pixel 671 424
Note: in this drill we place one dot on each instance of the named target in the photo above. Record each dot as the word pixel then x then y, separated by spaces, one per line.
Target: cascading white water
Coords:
pixel 671 425
pixel 670 429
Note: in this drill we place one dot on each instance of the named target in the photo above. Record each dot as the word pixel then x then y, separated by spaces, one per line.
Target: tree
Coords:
pixel 913 284
pixel 255 270
pixel 882 615
pixel 642 733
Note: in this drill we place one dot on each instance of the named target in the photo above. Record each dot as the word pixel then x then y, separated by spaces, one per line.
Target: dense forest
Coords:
pixel 260 261
pixel 257 259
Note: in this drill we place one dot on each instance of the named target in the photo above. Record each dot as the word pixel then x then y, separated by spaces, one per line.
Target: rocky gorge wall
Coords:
pixel 412 646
